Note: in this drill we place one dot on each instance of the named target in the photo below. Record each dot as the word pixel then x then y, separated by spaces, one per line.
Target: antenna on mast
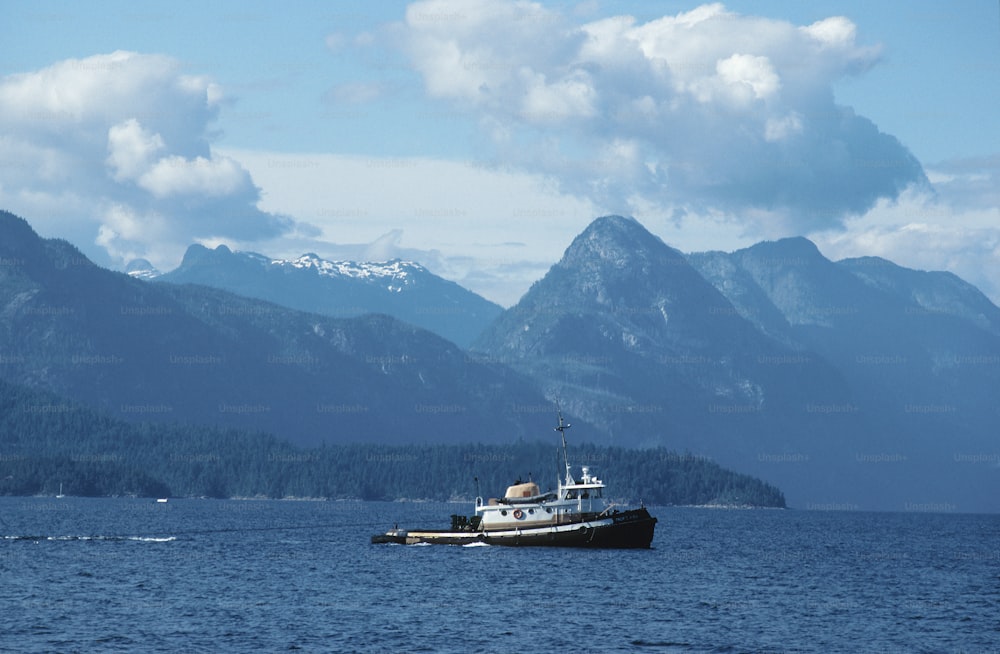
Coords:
pixel 563 426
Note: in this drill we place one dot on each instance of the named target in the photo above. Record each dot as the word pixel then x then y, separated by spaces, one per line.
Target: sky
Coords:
pixel 479 137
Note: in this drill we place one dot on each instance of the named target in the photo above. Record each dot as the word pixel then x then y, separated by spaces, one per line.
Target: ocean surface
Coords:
pixel 133 575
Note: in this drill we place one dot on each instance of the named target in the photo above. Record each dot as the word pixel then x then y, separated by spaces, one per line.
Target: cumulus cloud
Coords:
pixel 130 148
pixel 704 111
pixel 114 149
pixel 954 228
pixel 211 177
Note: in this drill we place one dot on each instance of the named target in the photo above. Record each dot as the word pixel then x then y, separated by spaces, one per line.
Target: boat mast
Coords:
pixel 563 426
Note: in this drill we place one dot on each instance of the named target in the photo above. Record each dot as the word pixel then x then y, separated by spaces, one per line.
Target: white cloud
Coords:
pixel 130 149
pixel 922 230
pixel 720 111
pixel 779 129
pixel 122 228
pixel 834 31
pixel 213 177
pixel 747 78
pixel 968 183
pixel 493 230
pixel 114 150
pixel 479 53
pixel 567 98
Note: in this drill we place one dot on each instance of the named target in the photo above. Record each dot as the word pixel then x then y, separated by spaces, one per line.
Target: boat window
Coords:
pixel 597 492
pixel 531 511
pixel 503 512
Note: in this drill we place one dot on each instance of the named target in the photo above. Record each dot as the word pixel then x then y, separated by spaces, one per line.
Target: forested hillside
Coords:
pixel 46 441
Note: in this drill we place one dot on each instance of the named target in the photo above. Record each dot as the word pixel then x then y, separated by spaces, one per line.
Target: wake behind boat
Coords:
pixel 576 514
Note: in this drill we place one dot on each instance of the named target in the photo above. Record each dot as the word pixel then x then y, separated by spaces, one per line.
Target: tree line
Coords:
pixel 46 441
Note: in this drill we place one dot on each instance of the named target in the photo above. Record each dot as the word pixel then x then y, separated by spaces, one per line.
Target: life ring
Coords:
pixel 518 513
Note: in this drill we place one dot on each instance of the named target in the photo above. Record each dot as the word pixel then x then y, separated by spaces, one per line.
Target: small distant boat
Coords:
pixel 162 500
pixel 574 515
pixel 60 495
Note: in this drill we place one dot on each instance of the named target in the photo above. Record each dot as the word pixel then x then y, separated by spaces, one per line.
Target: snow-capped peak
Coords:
pixel 141 269
pixel 398 272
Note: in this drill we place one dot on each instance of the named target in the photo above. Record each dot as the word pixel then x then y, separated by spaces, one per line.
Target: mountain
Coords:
pixel 627 334
pixel 141 269
pixel 181 353
pixel 919 350
pixel 341 289
pixel 843 389
pixel 941 293
pixel 902 338
pixel 851 384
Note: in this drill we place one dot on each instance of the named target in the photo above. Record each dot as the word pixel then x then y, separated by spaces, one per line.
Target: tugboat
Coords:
pixel 576 514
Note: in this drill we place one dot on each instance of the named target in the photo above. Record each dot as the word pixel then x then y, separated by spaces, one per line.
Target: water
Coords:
pixel 205 575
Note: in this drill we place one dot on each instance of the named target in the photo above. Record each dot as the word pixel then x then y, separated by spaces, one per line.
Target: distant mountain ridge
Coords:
pixel 848 384
pixel 342 289
pixel 934 292
pixel 167 352
pixel 851 384
pixel 899 336
pixel 623 320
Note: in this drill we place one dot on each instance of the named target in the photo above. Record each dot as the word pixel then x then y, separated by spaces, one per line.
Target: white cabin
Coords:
pixel 524 506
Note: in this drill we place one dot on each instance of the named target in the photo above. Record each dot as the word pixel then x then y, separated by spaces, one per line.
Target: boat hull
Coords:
pixel 631 529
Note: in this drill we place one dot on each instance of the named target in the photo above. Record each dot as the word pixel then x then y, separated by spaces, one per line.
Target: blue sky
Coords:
pixel 479 138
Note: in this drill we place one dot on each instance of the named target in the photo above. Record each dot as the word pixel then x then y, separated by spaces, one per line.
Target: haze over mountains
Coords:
pixel 855 384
